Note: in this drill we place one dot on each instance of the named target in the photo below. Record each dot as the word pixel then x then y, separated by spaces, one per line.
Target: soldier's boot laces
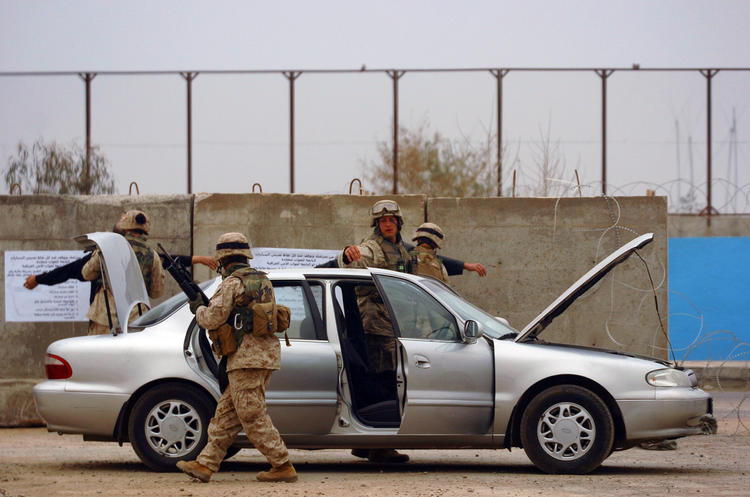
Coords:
pixel 195 469
pixel 285 473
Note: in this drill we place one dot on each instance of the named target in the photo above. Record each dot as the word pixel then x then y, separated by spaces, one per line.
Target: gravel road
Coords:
pixel 35 463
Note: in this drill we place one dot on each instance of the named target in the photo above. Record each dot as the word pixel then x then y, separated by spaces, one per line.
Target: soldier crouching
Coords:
pixel 243 403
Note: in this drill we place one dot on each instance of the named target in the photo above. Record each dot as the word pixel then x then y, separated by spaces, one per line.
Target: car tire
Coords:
pixel 567 429
pixel 169 423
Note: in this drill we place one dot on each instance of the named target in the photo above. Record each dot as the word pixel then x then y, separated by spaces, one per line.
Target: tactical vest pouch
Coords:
pixel 223 342
pixel 264 319
pixel 283 318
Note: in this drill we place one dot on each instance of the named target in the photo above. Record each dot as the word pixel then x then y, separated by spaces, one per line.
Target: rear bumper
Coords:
pixel 89 413
pixel 673 413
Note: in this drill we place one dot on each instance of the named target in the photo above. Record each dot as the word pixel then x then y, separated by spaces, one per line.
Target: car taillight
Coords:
pixel 57 368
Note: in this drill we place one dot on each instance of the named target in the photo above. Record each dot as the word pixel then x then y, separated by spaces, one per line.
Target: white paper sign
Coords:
pixel 67 301
pixel 265 258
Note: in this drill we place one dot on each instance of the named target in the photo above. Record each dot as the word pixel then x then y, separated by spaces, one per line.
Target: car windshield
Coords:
pixel 165 309
pixel 492 327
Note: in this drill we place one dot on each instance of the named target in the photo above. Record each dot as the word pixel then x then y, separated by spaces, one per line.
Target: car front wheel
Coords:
pixel 169 423
pixel 567 429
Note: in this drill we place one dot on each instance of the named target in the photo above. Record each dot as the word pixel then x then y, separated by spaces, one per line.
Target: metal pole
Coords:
pixel 604 74
pixel 88 78
pixel 189 77
pixel 499 75
pixel 709 209
pixel 291 76
pixel 395 76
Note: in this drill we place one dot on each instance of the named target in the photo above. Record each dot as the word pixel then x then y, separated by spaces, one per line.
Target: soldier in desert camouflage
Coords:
pixel 134 225
pixel 243 403
pixel 424 258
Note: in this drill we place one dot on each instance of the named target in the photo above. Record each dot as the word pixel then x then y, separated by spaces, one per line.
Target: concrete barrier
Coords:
pixel 535 248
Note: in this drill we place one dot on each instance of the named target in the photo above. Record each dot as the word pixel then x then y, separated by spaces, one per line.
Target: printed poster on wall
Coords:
pixel 68 301
pixel 265 258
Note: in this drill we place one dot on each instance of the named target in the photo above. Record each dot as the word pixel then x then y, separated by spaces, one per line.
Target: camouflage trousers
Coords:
pixel 243 406
pixel 381 352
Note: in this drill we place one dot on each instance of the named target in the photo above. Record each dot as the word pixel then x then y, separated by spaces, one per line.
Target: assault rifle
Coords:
pixel 182 276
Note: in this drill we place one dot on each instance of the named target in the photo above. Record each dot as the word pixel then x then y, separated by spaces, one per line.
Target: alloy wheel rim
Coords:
pixel 173 428
pixel 566 431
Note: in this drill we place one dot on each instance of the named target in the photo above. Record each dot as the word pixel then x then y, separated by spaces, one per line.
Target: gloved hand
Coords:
pixel 195 304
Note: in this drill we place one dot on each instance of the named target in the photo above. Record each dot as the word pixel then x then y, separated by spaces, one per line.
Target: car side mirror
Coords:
pixel 471 332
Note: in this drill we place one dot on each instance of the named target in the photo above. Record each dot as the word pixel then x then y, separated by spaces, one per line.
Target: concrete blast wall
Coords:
pixel 533 250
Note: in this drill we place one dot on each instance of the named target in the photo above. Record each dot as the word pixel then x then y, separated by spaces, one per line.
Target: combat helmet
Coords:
pixel 432 232
pixel 232 244
pixel 383 208
pixel 134 220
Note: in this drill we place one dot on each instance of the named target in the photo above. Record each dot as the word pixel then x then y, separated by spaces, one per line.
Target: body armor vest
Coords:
pixel 396 259
pixel 425 262
pixel 258 289
pixel 395 254
pixel 145 256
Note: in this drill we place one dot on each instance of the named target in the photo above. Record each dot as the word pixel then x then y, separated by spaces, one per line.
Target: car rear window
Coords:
pixel 165 309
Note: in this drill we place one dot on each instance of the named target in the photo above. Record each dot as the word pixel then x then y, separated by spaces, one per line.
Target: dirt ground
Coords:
pixel 36 463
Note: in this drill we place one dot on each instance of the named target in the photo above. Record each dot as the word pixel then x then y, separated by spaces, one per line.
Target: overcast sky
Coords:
pixel 240 123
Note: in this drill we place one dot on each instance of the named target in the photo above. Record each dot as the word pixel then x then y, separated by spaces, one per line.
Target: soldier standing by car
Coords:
pixel 243 403
pixel 384 248
pixel 424 259
pixel 135 226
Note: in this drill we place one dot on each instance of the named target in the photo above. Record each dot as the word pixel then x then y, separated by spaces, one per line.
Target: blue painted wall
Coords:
pixel 709 298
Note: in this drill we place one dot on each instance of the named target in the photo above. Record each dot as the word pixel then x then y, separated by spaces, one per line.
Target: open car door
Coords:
pixel 445 384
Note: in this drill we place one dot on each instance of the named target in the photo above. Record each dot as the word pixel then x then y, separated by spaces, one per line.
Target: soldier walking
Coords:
pixel 243 403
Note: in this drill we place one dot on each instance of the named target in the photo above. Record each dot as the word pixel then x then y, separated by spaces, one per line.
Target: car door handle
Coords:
pixel 421 361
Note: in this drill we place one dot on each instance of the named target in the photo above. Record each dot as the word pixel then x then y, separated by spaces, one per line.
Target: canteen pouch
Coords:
pixel 283 317
pixel 269 318
pixel 264 319
pixel 223 342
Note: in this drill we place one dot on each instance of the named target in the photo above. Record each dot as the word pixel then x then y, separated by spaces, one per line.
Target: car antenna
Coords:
pixel 656 304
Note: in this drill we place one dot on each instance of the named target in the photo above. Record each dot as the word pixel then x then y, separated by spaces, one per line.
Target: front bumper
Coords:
pixel 673 413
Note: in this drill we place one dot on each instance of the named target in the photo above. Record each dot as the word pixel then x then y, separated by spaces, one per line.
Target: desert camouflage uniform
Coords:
pixel 153 277
pixel 379 252
pixel 243 403
pixel 424 261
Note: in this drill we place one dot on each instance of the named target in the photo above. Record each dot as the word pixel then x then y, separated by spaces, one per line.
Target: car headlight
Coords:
pixel 668 378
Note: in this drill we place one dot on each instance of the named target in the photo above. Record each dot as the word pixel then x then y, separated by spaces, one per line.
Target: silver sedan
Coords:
pixel 464 379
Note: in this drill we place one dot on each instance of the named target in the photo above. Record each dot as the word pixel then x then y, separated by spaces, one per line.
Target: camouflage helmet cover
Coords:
pixel 134 220
pixel 233 244
pixel 432 232
pixel 383 208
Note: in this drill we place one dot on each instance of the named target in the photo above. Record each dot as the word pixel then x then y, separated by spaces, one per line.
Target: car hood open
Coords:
pixel 121 270
pixel 538 324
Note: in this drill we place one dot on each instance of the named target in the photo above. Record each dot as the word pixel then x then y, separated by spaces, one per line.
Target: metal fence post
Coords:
pixel 395 76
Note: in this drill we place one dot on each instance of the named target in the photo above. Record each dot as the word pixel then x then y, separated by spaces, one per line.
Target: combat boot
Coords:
pixel 285 472
pixel 195 469
pixel 387 455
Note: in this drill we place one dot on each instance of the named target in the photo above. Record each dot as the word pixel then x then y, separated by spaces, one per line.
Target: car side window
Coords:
pixel 417 313
pixel 302 323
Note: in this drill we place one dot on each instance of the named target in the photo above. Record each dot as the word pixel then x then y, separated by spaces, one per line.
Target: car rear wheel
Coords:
pixel 567 429
pixel 169 423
